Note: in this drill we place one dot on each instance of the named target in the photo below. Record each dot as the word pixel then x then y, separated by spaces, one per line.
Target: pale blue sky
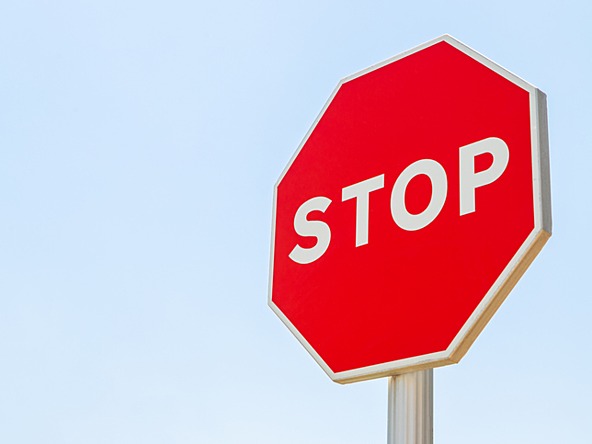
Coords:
pixel 139 145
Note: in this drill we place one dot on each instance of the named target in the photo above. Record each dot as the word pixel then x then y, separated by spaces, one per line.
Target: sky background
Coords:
pixel 139 145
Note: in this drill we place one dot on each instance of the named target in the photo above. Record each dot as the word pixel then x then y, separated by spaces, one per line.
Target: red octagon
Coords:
pixel 416 201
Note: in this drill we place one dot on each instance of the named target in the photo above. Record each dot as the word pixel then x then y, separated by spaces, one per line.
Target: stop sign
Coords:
pixel 413 205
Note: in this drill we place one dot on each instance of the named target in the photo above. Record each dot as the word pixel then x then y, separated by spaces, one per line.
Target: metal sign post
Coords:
pixel 359 257
pixel 411 408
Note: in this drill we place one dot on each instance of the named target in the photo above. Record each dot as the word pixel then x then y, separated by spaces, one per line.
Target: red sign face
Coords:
pixel 416 201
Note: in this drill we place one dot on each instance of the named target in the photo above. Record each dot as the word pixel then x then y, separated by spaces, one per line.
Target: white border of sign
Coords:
pixel 510 275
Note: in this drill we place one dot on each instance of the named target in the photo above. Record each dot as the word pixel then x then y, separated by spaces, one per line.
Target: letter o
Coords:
pixel 437 176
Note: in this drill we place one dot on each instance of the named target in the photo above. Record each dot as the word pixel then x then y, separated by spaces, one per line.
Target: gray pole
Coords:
pixel 411 408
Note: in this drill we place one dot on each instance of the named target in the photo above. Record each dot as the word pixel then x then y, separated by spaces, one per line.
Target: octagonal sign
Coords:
pixel 413 205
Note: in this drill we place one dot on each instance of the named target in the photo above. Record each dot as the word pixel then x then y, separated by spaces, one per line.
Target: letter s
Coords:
pixel 311 228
